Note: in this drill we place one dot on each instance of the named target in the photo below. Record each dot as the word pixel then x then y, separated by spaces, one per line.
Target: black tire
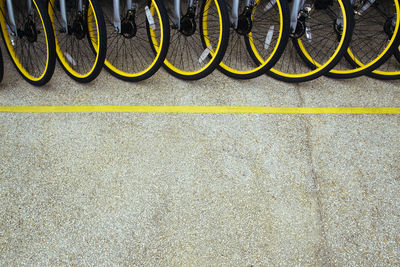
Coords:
pixel 48 71
pixel 185 74
pixel 390 70
pixel 297 59
pixel 149 51
pixel 100 56
pixel 372 42
pixel 397 53
pixel 253 68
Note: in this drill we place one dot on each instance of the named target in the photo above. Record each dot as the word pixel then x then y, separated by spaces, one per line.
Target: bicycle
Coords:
pixel 80 37
pixel 199 37
pixel 28 38
pixel 138 38
pixel 320 32
pixel 257 38
pixel 375 33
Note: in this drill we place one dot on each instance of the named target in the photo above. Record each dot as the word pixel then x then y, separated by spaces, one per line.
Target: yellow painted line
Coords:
pixel 200 109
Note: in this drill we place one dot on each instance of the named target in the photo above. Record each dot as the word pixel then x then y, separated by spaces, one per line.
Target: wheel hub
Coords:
pixel 244 21
pixel 78 27
pixel 30 31
pixel 128 25
pixel 188 24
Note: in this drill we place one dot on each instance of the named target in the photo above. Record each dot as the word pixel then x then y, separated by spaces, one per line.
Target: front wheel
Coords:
pixel 258 40
pixel 374 37
pixel 138 45
pixel 320 39
pixel 198 45
pixel 30 42
pixel 81 43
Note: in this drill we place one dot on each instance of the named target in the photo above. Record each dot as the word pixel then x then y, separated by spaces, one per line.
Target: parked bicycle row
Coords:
pixel 292 41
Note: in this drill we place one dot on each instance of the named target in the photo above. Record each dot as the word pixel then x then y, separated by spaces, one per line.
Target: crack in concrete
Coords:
pixel 324 254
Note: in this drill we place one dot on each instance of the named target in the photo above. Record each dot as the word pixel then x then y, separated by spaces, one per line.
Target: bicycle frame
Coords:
pixel 10 9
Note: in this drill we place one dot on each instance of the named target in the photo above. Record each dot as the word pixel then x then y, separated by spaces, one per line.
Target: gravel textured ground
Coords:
pixel 199 189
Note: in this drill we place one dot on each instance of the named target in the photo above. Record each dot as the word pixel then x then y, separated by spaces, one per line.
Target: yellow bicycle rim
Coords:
pixel 318 65
pixel 254 49
pixel 359 63
pixel 11 50
pixel 156 46
pixel 206 40
pixel 60 53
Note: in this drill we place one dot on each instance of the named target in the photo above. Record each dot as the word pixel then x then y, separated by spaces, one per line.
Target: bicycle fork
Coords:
pixel 234 15
pixel 294 13
pixel 117 13
pixel 13 25
pixel 127 25
pixel 298 24
pixel 192 9
pixel 63 11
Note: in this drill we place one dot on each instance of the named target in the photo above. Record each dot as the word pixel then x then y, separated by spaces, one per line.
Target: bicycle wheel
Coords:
pixel 318 41
pixel 81 40
pixel 198 45
pixel 262 32
pixel 374 35
pixel 131 55
pixel 29 41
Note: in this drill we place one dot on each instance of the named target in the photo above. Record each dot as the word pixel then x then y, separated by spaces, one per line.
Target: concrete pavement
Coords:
pixel 199 189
